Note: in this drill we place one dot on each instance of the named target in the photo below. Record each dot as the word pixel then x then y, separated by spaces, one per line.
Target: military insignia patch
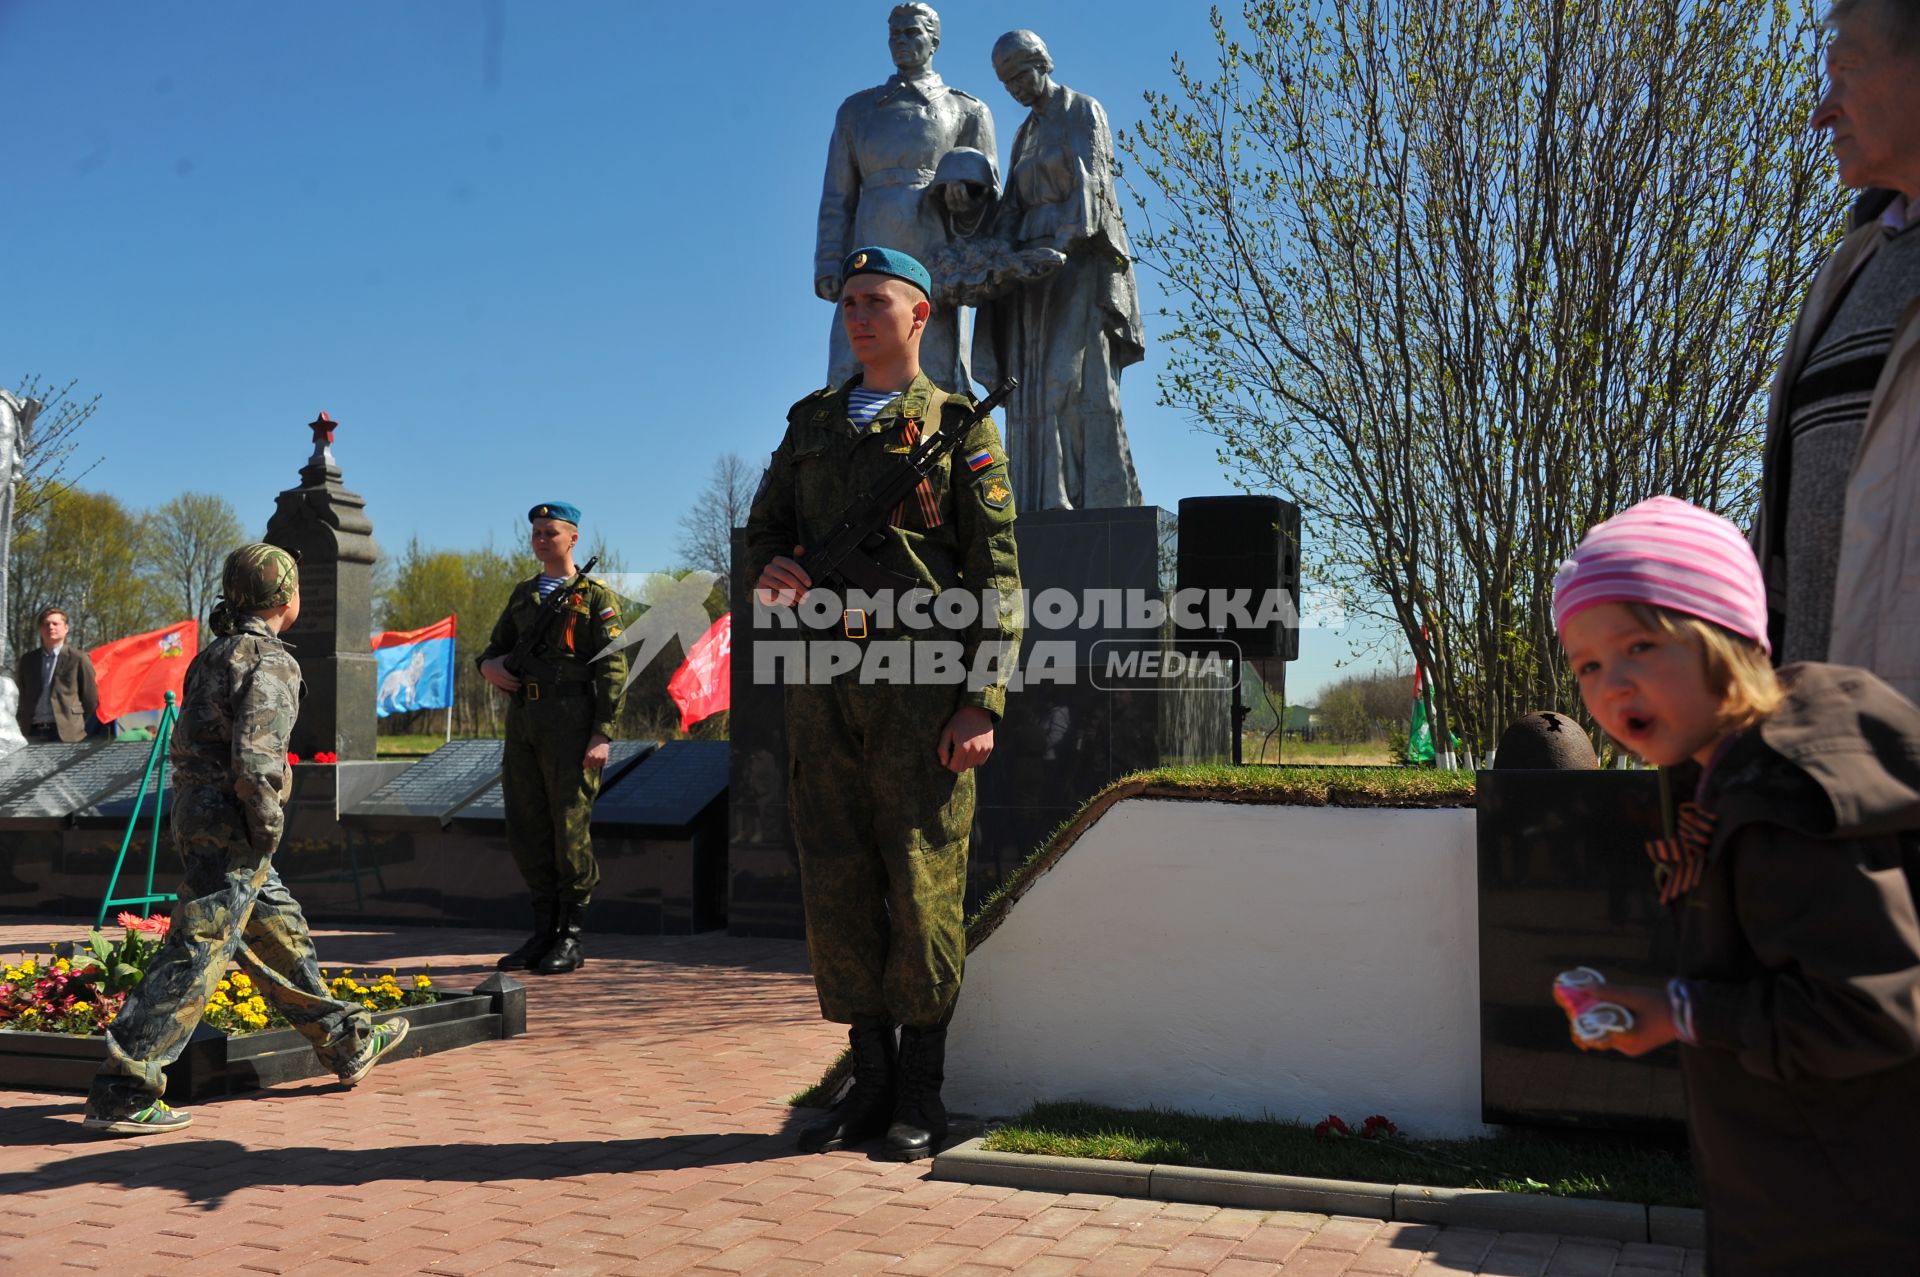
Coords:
pixel 996 494
pixel 859 261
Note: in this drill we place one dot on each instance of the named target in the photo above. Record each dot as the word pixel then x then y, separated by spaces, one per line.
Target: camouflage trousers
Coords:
pixel 232 906
pixel 549 798
pixel 882 831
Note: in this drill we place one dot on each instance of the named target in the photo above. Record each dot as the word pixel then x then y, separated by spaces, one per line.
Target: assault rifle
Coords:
pixel 843 553
pixel 550 609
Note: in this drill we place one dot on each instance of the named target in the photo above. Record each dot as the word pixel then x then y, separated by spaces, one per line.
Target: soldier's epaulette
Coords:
pixel 825 392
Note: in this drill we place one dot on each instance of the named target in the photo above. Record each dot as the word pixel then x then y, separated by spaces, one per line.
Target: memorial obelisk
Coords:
pixel 328 527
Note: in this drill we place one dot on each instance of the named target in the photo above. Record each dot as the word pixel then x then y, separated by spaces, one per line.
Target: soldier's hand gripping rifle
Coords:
pixel 843 553
pixel 550 609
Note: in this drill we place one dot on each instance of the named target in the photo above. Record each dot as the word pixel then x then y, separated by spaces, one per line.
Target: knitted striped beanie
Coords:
pixel 1670 554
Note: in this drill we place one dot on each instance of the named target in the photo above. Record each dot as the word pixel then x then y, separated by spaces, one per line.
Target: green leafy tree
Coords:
pixel 187 543
pixel 80 551
pixel 1466 279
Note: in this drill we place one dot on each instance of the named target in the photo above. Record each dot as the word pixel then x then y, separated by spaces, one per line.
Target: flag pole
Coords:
pixel 453 678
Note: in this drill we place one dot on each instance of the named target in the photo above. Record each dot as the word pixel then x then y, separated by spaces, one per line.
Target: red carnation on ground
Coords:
pixel 1378 1124
pixel 1331 1126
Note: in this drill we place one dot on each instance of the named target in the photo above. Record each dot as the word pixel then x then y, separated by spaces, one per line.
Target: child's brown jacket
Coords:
pixel 1801 951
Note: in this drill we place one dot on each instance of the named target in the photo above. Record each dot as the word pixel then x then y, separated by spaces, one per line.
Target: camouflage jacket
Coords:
pixel 957 530
pixel 242 696
pixel 591 621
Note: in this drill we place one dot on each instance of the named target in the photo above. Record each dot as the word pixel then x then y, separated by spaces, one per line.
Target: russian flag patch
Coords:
pixel 607 614
pixel 980 460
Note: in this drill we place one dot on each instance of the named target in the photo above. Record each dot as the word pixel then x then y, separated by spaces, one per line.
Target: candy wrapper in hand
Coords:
pixel 1580 993
pixel 1577 990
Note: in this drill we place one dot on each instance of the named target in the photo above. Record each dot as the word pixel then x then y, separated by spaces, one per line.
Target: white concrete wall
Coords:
pixel 1237 959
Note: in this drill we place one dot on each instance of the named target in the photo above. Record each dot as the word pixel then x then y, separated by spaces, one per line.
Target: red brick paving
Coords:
pixel 638 1128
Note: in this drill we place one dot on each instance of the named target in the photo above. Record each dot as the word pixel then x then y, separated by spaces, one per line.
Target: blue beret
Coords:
pixel 555 510
pixel 887 261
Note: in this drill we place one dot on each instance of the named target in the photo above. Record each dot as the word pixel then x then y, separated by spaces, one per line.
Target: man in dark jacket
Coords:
pixel 1838 533
pixel 58 692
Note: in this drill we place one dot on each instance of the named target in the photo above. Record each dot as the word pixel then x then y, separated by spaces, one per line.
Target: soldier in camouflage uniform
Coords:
pixel 559 730
pixel 230 778
pixel 882 787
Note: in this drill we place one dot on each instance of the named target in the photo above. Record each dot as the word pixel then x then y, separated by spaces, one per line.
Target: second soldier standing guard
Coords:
pixel 560 726
pixel 882 793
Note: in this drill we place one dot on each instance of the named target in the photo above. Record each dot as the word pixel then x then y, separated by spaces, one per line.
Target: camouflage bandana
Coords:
pixel 256 577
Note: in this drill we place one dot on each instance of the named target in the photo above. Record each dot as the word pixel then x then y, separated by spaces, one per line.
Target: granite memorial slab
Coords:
pixel 667 794
pixel 52 801
pixel 1564 882
pixel 113 808
pixel 25 770
pixel 423 797
pixel 487 813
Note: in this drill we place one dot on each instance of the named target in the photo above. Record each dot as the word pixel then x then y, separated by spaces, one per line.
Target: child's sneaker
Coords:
pixel 155 1119
pixel 385 1036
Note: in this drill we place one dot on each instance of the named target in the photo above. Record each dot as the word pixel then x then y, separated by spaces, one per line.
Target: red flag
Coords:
pixel 701 685
pixel 137 672
pixel 440 629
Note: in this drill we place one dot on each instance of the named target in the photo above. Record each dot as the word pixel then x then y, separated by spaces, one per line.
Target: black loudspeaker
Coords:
pixel 1245 543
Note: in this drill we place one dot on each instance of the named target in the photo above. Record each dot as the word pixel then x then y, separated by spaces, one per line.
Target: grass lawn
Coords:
pixel 1572 1164
pixel 417 745
pixel 1369 754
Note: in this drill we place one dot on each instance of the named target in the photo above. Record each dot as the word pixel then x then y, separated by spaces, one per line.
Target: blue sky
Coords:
pixel 519 251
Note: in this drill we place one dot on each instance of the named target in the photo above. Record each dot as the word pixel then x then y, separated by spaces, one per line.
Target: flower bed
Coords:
pixel 54 1014
pixel 81 987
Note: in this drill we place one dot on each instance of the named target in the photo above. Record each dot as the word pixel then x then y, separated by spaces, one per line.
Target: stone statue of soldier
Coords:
pixel 16 419
pixel 1067 330
pixel 887 143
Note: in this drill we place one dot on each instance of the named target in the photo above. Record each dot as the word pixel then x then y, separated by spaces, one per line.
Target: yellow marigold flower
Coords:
pixel 242 979
pixel 257 1003
pixel 62 965
pixel 369 1004
pixel 223 986
pixel 81 1008
pixel 29 1013
pixel 422 982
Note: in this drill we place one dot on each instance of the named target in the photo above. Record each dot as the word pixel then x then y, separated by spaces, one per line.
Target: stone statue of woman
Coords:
pixel 16 419
pixel 1067 333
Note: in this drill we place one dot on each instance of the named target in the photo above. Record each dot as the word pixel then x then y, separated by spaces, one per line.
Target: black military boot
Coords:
pixel 919 1118
pixel 535 946
pixel 868 1105
pixel 565 955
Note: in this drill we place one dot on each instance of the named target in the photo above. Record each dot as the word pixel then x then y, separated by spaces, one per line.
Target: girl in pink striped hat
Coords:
pixel 1792 872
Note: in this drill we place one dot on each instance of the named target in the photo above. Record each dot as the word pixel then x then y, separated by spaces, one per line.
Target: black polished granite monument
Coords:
pixel 1060 742
pixel 390 842
pixel 328 527
pixel 1565 882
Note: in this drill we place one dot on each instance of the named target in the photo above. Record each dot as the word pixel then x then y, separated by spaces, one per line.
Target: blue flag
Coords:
pixel 414 668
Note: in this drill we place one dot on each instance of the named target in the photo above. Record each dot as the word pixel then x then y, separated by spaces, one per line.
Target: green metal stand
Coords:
pixel 156 758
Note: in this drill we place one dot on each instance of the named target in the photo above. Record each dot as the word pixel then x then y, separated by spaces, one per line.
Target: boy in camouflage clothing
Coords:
pixel 231 776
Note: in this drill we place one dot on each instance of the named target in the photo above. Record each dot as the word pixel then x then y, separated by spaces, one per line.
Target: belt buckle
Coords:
pixel 532 690
pixel 847 621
